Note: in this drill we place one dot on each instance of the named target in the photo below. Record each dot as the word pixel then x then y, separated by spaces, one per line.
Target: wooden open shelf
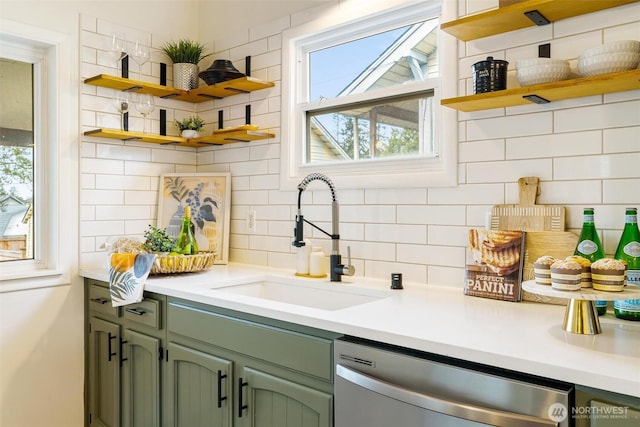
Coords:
pixel 219 139
pixel 556 91
pixel 512 17
pixel 203 93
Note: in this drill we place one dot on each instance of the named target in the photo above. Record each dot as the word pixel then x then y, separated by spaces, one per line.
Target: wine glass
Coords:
pixel 117 50
pixel 121 102
pixel 140 54
pixel 144 106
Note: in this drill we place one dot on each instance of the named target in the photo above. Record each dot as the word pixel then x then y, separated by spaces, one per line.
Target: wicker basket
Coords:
pixel 165 264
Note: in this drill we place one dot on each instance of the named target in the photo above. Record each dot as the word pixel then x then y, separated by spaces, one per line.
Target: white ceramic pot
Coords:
pixel 190 133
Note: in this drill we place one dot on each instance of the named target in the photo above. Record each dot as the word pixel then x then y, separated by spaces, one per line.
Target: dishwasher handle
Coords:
pixel 457 409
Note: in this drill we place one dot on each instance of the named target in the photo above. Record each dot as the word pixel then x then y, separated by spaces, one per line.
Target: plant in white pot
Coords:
pixel 185 55
pixel 190 126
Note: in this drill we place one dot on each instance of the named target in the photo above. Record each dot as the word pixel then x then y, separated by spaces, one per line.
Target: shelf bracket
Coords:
pixel 206 95
pixel 236 140
pixel 537 18
pixel 536 99
pixel 132 88
pixel 133 138
pixel 233 89
pixel 208 143
pixel 171 95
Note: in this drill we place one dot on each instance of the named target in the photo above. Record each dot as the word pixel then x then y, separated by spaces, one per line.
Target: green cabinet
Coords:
pixel 199 388
pixel 227 369
pixel 124 350
pixel 273 401
pixel 175 363
pixel 104 373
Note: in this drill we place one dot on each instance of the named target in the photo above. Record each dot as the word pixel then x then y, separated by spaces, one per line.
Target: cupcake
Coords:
pixel 542 269
pixel 608 274
pixel 586 269
pixel 566 275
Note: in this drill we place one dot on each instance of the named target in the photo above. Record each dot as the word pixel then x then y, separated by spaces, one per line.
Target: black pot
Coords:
pixel 221 70
pixel 489 75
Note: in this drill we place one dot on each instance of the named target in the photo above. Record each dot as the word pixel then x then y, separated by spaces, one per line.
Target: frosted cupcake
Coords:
pixel 585 278
pixel 542 269
pixel 566 275
pixel 608 274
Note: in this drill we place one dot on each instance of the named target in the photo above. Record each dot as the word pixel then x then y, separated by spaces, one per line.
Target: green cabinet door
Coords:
pixel 275 402
pixel 104 373
pixel 199 388
pixel 141 380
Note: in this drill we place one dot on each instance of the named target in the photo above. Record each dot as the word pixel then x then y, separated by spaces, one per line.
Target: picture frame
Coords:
pixel 209 196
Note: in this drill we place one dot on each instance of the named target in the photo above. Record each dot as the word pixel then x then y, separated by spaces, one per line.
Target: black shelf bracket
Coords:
pixel 544 50
pixel 536 99
pixel 537 18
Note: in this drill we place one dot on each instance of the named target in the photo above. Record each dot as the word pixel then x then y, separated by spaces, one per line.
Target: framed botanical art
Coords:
pixel 209 196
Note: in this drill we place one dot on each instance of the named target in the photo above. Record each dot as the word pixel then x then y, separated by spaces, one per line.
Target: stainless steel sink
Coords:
pixel 323 296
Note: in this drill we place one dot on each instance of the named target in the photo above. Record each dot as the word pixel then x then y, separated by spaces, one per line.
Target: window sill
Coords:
pixel 34 279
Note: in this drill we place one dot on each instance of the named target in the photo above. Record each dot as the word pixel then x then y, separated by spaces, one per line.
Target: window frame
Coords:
pixel 415 171
pixel 54 163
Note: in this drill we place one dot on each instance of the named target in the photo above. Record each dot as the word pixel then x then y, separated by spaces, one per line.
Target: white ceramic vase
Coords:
pixel 190 133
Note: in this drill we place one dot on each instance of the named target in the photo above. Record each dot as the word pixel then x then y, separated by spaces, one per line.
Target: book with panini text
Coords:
pixel 495 261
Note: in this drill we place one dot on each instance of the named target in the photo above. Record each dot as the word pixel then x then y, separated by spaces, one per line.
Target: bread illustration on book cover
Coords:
pixel 494 264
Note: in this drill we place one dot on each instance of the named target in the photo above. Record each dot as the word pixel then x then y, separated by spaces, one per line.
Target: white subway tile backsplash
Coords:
pixel 597 117
pixel 509 170
pixel 396 233
pixel 480 151
pixel 603 167
pixel 583 149
pixel 511 126
pixel 625 191
pixel 621 140
pixel 555 145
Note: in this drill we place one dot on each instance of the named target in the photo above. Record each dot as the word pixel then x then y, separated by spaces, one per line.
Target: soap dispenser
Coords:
pixel 316 262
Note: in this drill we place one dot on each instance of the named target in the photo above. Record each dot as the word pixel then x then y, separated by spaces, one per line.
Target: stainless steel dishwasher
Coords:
pixel 382 386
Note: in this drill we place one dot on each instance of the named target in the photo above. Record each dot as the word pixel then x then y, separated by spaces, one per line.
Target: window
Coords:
pixel 363 100
pixel 39 158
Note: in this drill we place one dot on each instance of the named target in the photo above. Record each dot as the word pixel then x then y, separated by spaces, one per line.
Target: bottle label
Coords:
pixel 588 218
pixel 632 249
pixel 600 303
pixel 628 305
pixel 587 247
pixel 631 219
pixel 633 277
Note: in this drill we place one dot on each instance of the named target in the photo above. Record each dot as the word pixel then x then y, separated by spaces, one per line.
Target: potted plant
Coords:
pixel 190 126
pixel 157 240
pixel 185 55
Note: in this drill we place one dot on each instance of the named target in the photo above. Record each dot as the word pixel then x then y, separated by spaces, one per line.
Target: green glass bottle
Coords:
pixel 629 251
pixel 589 247
pixel 186 242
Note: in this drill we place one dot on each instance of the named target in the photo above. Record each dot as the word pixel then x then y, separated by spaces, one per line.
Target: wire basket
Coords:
pixel 166 264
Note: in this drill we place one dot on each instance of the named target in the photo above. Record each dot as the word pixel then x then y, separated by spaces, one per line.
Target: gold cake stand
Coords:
pixel 581 316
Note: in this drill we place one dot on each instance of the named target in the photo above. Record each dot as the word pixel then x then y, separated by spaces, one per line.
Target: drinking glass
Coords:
pixel 121 102
pixel 140 54
pixel 117 50
pixel 144 106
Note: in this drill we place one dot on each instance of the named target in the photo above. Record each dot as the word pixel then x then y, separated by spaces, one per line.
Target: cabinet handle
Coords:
pixel 100 300
pixel 109 349
pixel 135 311
pixel 221 398
pixel 241 406
pixel 122 359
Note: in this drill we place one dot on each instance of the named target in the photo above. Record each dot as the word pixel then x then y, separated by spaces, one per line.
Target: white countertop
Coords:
pixel 525 337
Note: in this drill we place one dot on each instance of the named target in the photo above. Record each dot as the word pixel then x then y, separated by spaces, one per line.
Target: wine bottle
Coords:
pixel 186 242
pixel 629 251
pixel 589 247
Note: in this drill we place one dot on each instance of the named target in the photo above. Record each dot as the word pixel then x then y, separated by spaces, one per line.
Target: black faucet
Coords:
pixel 337 269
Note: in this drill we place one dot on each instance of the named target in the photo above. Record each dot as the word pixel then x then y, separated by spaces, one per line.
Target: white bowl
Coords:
pixel 612 47
pixel 541 70
pixel 608 63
